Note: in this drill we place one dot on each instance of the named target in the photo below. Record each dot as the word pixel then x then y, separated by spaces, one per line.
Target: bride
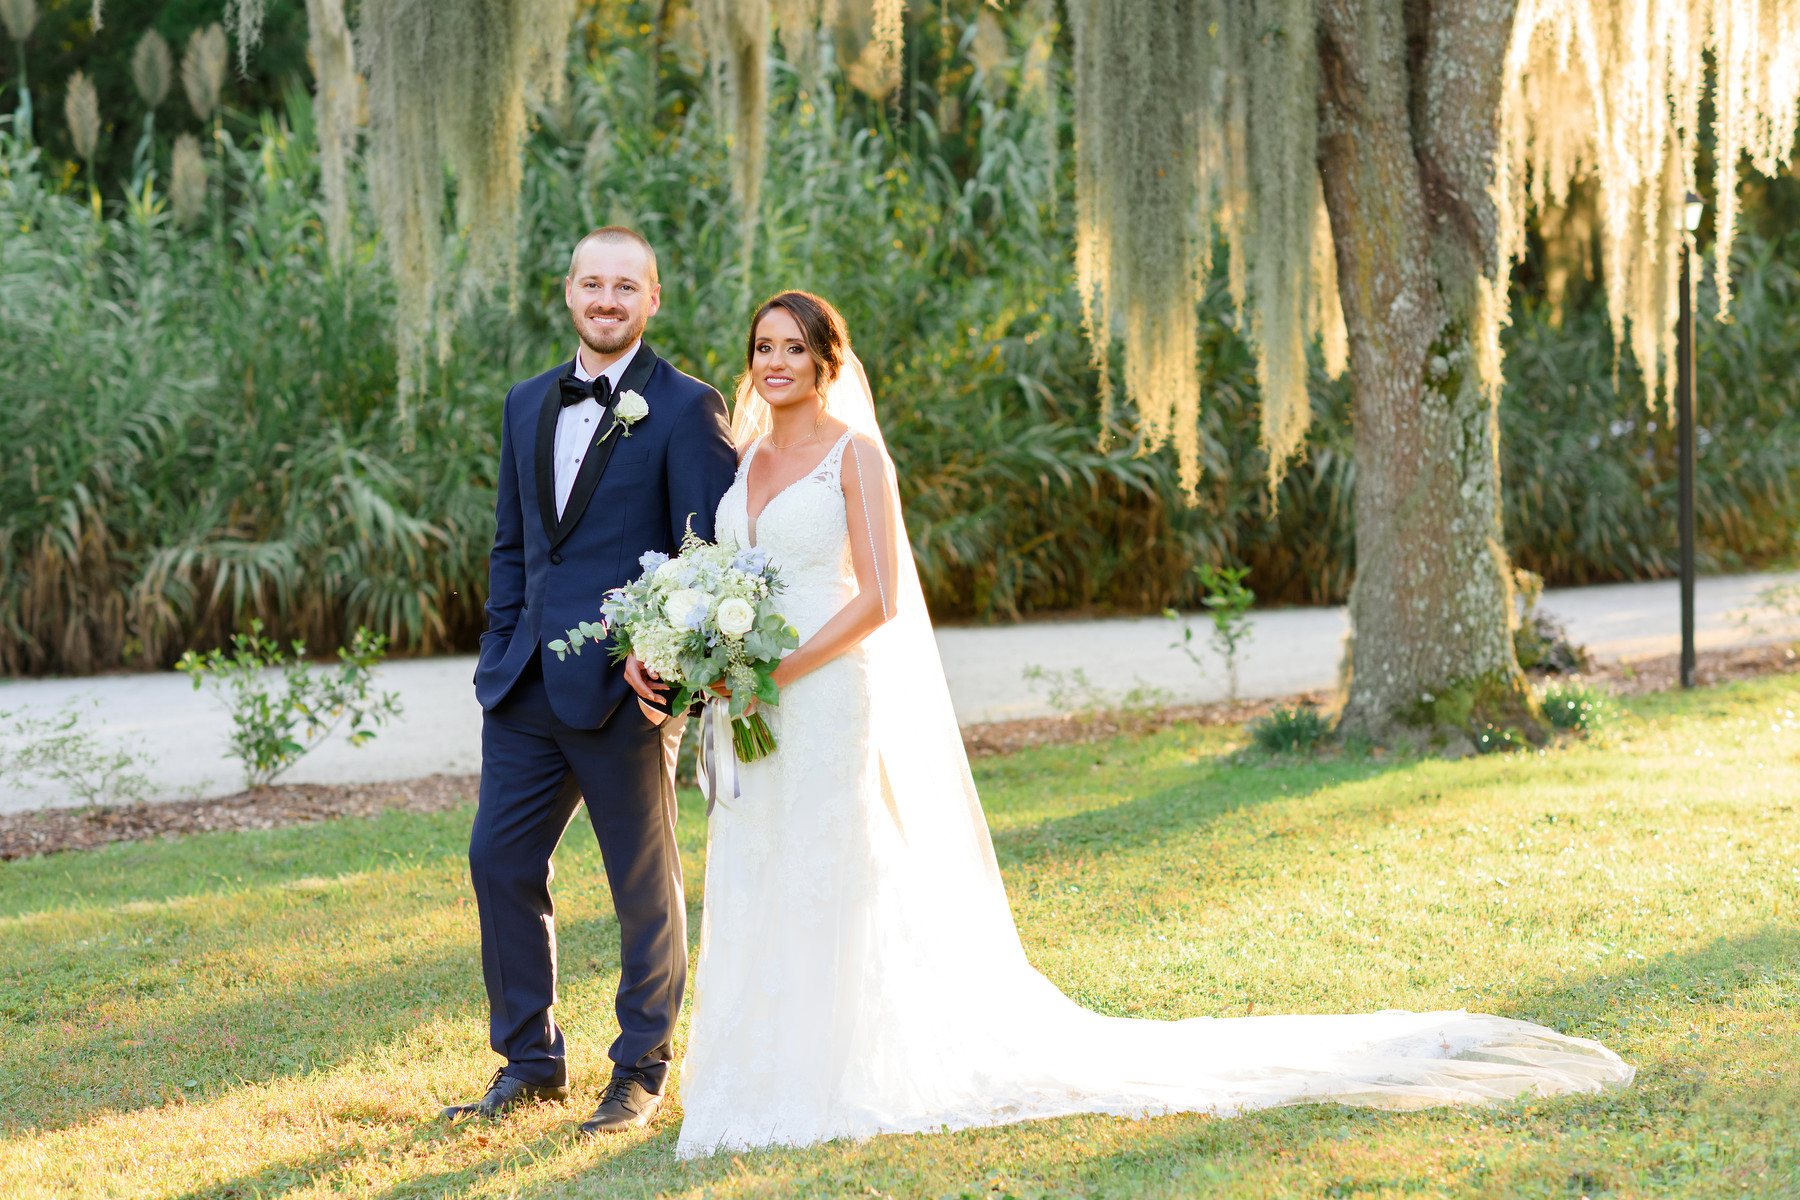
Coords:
pixel 859 971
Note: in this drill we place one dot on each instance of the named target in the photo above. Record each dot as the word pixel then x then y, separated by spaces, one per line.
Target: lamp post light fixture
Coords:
pixel 1691 212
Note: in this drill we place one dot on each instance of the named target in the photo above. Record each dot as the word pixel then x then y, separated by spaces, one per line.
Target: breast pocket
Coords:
pixel 625 454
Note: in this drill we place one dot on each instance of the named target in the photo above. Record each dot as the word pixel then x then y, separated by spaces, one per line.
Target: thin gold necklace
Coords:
pixel 800 441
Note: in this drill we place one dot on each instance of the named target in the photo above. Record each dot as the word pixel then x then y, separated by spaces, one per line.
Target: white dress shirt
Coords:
pixel 578 425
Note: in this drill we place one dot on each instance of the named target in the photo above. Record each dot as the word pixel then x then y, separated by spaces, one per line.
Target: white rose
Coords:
pixel 679 608
pixel 669 572
pixel 736 617
pixel 631 408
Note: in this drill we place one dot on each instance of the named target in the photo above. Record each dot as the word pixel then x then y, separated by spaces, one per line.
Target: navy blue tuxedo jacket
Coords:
pixel 631 495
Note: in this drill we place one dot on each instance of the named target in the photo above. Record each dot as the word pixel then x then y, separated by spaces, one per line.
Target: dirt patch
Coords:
pixel 50 830
pixel 1646 675
pixel 1008 737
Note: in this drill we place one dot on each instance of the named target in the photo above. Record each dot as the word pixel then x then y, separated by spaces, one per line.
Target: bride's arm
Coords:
pixel 869 507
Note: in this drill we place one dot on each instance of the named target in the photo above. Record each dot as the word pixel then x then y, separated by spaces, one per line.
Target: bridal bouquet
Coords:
pixel 705 617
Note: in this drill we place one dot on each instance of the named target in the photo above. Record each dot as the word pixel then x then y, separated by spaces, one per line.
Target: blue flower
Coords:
pixel 652 559
pixel 696 617
pixel 751 561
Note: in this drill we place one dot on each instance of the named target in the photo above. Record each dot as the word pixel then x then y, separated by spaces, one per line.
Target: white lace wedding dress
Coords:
pixel 859 969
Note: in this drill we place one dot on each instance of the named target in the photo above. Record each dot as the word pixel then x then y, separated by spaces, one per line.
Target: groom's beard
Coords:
pixel 613 340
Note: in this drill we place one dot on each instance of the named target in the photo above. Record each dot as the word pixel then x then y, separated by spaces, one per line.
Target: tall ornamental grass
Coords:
pixel 199 428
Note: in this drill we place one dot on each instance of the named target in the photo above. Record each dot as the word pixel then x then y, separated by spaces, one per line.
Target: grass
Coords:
pixel 280 1013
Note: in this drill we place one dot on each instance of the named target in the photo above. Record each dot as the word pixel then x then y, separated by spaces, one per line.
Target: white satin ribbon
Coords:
pixel 716 760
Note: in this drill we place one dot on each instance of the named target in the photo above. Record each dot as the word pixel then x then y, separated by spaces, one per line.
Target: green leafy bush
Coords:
pixel 282 707
pixel 1578 706
pixel 62 751
pixel 1296 730
pixel 1228 602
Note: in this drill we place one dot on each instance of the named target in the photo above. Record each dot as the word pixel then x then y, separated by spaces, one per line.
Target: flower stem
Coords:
pixel 751 738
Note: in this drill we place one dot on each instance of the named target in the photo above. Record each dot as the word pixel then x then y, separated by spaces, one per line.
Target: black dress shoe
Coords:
pixel 625 1104
pixel 505 1093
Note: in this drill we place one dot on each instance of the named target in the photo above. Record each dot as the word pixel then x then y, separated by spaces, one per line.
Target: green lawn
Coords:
pixel 281 1013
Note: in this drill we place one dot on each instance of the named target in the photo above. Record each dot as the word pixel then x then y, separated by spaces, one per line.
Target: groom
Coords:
pixel 602 459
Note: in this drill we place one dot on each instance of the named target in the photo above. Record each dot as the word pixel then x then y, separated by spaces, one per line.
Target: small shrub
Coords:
pixel 271 714
pixel 1223 592
pixel 1073 694
pixel 61 750
pixel 1578 706
pixel 1297 730
pixel 1491 739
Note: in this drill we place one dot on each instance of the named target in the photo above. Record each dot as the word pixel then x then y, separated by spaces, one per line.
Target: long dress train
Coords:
pixel 859 969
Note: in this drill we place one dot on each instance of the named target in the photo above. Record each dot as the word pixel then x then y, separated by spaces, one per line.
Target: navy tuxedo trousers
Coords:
pixel 535 770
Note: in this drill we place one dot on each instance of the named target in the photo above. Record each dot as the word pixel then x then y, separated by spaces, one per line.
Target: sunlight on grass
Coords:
pixel 282 1013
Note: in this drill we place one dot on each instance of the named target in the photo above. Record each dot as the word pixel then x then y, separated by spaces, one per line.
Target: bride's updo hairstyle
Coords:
pixel 821 325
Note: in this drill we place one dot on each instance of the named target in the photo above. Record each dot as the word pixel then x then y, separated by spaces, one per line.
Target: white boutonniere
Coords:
pixel 630 409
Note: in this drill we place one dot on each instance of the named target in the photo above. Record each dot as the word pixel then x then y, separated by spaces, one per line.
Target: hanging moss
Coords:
pixel 798 22
pixel 1612 89
pixel 450 82
pixel 334 111
pixel 246 20
pixel 1193 115
pixel 738 34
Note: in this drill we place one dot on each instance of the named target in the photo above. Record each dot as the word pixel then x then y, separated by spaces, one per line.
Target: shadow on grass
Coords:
pixel 268 1034
pixel 1666 1131
pixel 651 1156
pixel 1676 1105
pixel 1212 792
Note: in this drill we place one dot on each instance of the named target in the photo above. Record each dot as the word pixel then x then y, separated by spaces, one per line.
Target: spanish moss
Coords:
pixel 737 35
pixel 334 112
pixel 1611 90
pixel 1139 255
pixel 449 85
pixel 245 18
pixel 1193 116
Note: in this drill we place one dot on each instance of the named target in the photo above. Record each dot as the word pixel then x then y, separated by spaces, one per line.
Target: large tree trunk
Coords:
pixel 1409 96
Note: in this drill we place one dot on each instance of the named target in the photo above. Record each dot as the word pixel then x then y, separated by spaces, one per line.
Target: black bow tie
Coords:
pixel 574 390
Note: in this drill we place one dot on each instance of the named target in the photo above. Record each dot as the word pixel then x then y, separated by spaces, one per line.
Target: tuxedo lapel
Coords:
pixel 636 375
pixel 544 461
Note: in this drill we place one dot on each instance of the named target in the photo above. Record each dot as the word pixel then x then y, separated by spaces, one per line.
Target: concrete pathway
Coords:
pixel 185 732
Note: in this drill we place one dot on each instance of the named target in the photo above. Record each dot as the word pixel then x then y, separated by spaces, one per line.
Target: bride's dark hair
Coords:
pixel 821 325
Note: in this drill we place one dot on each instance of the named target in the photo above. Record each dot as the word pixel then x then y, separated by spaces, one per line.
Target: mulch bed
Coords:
pixel 49 831
pixel 1007 737
pixel 1647 675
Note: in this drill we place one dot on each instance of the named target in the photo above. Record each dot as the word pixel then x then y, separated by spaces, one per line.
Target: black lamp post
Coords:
pixel 1684 410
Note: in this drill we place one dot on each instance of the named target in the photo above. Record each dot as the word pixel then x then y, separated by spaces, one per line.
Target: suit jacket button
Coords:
pixel 556 560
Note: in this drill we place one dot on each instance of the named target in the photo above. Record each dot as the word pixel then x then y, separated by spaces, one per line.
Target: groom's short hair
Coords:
pixel 615 233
